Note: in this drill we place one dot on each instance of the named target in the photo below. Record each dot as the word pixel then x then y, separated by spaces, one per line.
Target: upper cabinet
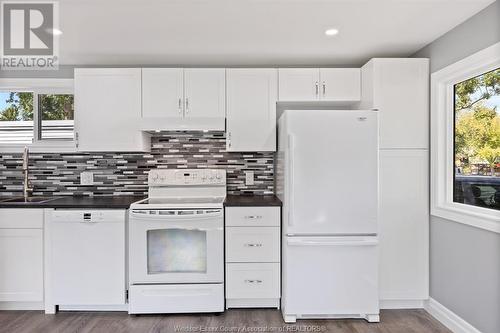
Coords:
pixel 298 84
pixel 108 110
pixel 183 99
pixel 324 84
pixel 162 93
pixel 251 109
pixel 340 84
pixel 399 88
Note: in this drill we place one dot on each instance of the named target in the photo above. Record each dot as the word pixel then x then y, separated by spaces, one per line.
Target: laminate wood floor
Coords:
pixel 232 321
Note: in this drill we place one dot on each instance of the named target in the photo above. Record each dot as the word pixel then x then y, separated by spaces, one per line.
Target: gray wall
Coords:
pixel 477 33
pixel 465 261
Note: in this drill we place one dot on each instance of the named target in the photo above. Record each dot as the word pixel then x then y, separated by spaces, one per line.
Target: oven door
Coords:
pixel 176 246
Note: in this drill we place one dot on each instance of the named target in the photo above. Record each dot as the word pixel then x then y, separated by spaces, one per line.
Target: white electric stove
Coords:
pixel 176 262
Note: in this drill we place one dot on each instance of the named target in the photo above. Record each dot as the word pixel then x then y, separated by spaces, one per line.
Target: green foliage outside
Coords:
pixel 477 123
pixel 54 107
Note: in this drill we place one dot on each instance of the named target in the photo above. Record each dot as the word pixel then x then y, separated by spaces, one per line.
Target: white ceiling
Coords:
pixel 251 32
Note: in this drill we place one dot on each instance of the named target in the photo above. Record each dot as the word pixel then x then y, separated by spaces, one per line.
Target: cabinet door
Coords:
pixel 162 92
pixel 251 109
pixel 299 84
pixel 404 224
pixel 21 265
pixel 399 88
pixel 108 110
pixel 340 84
pixel 204 94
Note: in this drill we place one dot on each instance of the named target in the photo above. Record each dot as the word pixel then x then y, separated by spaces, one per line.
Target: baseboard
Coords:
pixel 448 318
pixel 120 307
pixel 386 304
pixel 21 306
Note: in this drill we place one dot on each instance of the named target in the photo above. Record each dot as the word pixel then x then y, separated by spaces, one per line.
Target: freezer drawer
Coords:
pixel 176 298
pixel 330 277
pixel 252 244
pixel 253 280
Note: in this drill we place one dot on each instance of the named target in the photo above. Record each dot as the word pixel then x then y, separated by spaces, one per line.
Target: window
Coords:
pixel 477 141
pixel 16 117
pixel 57 115
pixel 465 140
pixel 41 114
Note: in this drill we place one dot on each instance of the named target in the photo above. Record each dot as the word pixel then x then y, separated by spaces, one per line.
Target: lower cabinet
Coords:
pixel 253 257
pixel 21 255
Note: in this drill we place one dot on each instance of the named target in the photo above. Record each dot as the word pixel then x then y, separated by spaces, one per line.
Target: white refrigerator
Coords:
pixel 327 179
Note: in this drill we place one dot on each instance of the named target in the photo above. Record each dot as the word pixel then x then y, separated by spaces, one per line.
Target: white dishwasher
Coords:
pixel 86 257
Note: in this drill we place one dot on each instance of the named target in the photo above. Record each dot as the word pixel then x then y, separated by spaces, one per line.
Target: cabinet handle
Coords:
pixel 180 105
pixel 253 217
pixel 324 88
pixel 76 139
pixel 253 245
pixel 317 88
pixel 253 281
pixel 229 139
pixel 187 105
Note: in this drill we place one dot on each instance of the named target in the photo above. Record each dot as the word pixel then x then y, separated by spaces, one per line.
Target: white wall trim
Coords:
pixel 21 305
pixel 388 304
pixel 442 115
pixel 448 318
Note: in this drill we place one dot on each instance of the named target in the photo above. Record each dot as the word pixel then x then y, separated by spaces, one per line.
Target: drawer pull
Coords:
pixel 253 281
pixel 253 244
pixel 253 217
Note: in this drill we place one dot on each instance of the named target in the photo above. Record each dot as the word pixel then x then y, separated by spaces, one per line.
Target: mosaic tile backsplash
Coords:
pixel 126 173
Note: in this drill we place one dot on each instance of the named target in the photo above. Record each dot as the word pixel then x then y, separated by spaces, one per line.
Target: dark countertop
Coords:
pixel 115 202
pixel 252 200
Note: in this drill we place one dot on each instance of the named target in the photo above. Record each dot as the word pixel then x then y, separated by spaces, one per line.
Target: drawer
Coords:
pixel 253 280
pixel 176 298
pixel 252 216
pixel 21 218
pixel 253 244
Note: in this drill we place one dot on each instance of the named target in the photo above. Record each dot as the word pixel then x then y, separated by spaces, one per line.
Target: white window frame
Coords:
pixel 442 140
pixel 39 86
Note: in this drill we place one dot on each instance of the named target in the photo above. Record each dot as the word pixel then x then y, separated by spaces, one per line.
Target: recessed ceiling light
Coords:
pixel 331 32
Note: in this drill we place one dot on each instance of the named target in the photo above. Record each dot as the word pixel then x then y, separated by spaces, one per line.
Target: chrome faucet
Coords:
pixel 26 189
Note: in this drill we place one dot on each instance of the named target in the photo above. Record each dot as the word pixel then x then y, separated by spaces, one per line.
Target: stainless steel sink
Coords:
pixel 21 200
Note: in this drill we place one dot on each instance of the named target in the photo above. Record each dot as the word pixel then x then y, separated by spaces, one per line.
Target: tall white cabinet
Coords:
pixel 108 110
pixel 399 89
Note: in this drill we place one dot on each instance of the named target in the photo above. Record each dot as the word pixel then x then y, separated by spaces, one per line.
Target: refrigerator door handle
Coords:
pixel 343 241
pixel 291 147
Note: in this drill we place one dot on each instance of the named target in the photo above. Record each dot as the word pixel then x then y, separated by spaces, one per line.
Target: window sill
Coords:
pixel 41 147
pixel 482 218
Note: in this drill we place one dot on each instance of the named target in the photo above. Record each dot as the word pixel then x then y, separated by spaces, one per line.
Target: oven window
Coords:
pixel 177 251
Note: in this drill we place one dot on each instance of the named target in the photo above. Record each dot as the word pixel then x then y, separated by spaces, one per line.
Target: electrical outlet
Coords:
pixel 87 178
pixel 249 177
